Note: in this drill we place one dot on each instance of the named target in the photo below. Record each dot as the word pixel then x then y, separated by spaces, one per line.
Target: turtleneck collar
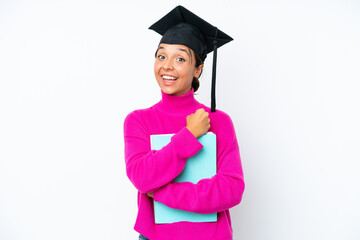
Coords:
pixel 178 105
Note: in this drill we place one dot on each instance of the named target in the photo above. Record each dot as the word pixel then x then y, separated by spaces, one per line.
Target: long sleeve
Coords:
pixel 216 194
pixel 150 169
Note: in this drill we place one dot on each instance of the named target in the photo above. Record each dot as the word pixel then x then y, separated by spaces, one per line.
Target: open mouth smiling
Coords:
pixel 169 78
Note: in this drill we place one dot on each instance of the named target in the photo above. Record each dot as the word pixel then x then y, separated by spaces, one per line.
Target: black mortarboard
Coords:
pixel 180 26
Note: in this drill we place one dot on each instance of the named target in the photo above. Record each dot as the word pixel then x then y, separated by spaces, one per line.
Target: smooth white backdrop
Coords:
pixel 70 71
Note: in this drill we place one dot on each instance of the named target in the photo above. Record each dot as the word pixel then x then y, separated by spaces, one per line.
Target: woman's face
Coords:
pixel 175 68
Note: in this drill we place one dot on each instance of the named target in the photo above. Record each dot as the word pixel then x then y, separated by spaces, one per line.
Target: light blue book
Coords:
pixel 200 166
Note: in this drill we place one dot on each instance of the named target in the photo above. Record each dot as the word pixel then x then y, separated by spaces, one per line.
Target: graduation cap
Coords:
pixel 180 26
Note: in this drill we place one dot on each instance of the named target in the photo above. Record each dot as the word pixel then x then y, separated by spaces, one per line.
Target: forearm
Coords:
pixel 151 169
pixel 207 196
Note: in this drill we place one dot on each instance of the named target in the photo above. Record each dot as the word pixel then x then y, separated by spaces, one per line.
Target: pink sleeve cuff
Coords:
pixel 188 145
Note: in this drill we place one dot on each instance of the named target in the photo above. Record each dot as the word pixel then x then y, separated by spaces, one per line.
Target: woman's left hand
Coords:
pixel 150 195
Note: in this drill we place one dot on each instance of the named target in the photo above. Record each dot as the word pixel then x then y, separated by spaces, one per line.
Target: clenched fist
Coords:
pixel 198 123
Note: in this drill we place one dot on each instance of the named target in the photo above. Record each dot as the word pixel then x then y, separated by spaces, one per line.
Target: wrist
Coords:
pixel 192 132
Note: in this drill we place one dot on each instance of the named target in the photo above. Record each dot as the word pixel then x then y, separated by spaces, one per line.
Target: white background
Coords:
pixel 70 71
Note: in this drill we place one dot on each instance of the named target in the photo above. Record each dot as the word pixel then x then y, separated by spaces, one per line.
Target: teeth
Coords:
pixel 169 78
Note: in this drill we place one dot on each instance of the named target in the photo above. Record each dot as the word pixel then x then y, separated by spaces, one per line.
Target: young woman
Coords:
pixel 178 65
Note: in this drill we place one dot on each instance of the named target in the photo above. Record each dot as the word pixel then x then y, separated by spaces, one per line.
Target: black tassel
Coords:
pixel 213 102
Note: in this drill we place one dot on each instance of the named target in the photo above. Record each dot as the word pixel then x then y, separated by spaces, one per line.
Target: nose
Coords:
pixel 167 65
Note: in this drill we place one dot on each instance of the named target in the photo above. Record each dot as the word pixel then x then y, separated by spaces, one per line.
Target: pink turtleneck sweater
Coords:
pixel 154 170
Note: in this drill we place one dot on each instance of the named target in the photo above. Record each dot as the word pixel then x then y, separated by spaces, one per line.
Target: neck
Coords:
pixel 178 105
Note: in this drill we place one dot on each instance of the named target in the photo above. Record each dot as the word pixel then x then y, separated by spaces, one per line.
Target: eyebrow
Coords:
pixel 180 49
pixel 184 50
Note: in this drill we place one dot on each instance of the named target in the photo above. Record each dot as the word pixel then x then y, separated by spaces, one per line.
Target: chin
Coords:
pixel 168 90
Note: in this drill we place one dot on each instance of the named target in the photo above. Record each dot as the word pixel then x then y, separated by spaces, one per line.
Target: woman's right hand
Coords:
pixel 198 123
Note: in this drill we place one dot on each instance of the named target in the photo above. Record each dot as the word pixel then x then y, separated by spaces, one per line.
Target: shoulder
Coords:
pixel 218 115
pixel 138 114
pixel 221 124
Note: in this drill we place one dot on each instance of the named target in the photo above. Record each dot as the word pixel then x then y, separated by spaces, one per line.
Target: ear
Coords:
pixel 198 70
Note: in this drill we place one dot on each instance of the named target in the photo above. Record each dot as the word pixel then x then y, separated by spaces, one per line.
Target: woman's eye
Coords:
pixel 161 57
pixel 181 59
